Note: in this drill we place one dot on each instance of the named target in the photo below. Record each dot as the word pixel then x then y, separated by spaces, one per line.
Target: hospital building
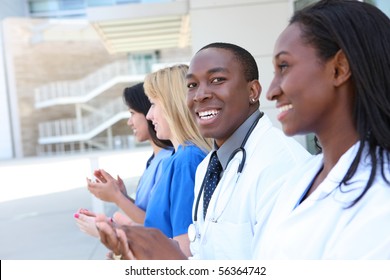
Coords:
pixel 64 63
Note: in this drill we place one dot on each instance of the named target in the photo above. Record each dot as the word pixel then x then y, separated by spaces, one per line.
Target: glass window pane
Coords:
pixel 94 3
pixel 43 6
pixel 71 4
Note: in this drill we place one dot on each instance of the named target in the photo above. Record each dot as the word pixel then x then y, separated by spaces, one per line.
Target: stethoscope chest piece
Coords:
pixel 192 232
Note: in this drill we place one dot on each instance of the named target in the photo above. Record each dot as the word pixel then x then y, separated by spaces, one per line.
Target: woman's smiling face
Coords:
pixel 302 85
pixel 138 123
pixel 156 115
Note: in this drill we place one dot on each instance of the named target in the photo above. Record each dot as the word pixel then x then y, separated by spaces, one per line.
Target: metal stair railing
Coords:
pixel 83 129
pixel 60 92
pixel 120 142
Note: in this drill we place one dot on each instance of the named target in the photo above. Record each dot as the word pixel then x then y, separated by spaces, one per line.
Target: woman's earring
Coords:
pixel 253 100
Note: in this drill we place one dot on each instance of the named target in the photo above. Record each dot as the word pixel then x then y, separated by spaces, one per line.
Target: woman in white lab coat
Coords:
pixel 332 79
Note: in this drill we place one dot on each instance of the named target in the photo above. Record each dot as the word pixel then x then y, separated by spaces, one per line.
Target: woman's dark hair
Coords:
pixel 136 99
pixel 362 32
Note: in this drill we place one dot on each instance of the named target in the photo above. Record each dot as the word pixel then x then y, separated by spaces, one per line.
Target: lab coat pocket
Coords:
pixel 232 240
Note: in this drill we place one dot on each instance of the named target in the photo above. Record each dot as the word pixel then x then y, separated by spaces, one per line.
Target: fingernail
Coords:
pixel 76 215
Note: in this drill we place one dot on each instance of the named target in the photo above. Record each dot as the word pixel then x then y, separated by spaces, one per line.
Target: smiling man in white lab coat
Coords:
pixel 223 95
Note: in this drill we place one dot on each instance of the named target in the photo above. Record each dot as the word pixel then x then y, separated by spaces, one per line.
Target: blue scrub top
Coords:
pixel 150 177
pixel 170 204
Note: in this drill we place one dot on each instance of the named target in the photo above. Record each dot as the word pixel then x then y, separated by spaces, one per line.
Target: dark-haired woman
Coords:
pixel 332 79
pixel 113 190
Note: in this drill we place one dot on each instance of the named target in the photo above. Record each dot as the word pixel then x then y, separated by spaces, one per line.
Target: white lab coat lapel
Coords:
pixel 329 184
pixel 228 185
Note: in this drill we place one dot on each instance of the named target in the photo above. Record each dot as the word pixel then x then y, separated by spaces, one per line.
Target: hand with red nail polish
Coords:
pixel 86 224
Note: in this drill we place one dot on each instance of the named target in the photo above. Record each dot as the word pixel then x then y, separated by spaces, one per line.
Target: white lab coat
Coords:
pixel 270 154
pixel 321 227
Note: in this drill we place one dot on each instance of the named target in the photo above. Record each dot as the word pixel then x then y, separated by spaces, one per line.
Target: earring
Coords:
pixel 253 100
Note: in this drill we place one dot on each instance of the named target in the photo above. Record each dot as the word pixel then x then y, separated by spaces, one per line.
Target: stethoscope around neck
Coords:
pixel 193 232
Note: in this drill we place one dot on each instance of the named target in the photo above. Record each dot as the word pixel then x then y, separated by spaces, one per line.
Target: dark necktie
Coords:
pixel 211 180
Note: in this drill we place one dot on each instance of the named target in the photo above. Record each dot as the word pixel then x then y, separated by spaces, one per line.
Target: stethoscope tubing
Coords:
pixel 232 155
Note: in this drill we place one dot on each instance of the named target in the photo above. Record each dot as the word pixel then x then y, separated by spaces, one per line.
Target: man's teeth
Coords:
pixel 285 108
pixel 208 114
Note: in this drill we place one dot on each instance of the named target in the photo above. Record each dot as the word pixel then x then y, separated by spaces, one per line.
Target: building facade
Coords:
pixel 66 62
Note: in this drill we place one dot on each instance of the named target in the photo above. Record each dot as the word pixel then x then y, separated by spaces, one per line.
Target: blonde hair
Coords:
pixel 169 87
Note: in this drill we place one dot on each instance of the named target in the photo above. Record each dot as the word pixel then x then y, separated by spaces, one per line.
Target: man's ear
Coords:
pixel 255 91
pixel 341 71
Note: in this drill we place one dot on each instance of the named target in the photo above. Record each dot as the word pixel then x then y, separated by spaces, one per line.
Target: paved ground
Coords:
pixel 38 197
pixel 43 228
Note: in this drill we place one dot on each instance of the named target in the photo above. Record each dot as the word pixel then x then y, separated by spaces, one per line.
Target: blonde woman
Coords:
pixel 170 204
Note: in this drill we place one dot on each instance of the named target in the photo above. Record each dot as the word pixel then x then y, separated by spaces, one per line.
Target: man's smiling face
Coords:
pixel 218 93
